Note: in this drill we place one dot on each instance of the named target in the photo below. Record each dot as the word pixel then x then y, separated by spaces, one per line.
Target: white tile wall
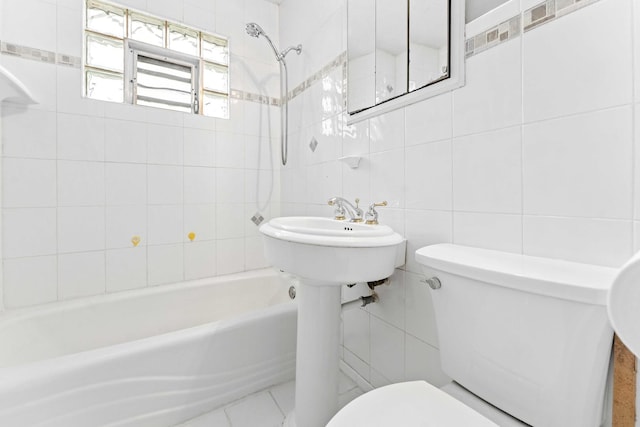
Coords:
pixel 21 137
pixel 80 137
pixel 81 229
pixel 29 183
pixel 126 269
pixel 82 177
pixel 124 222
pixel 165 264
pixel 492 95
pixel 590 171
pixel 536 154
pixel 487 172
pixel 581 59
pixel 80 183
pixel 81 274
pixel 30 281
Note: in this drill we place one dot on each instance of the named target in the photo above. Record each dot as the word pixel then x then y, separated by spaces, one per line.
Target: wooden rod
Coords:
pixel 624 385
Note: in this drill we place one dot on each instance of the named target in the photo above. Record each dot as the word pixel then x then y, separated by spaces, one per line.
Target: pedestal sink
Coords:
pixel 325 254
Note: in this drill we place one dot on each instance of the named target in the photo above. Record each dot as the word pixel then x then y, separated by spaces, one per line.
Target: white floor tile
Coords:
pixel 267 408
pixel 345 384
pixel 285 396
pixel 216 418
pixel 258 410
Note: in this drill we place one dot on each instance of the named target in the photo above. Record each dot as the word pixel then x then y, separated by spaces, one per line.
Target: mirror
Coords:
pixel 428 42
pixel 397 47
pixel 391 63
pixel 361 55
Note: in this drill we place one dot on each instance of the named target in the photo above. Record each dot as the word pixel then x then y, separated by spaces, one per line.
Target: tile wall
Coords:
pixel 536 154
pixel 81 177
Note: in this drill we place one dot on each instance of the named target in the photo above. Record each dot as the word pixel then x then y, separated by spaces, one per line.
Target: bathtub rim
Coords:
pixel 24 313
pixel 68 362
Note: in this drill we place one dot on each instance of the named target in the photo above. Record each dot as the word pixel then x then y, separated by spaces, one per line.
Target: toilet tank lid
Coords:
pixel 543 276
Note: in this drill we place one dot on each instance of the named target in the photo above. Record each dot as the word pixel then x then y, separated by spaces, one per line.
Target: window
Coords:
pixel 139 59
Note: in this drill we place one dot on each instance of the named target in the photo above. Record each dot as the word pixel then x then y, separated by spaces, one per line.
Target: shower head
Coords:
pixel 254 30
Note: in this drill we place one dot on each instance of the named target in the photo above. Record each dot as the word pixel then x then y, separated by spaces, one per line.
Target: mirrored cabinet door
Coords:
pixel 396 47
pixel 428 42
pixel 391 49
pixel 361 35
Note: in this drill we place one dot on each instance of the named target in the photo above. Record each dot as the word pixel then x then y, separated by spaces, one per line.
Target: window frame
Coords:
pixel 135 48
pixel 130 46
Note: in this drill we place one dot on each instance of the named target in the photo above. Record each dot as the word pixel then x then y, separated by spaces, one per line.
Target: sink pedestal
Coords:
pixel 317 358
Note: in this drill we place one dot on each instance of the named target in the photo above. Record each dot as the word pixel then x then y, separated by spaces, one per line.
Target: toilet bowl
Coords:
pixel 420 404
pixel 525 339
pixel 410 404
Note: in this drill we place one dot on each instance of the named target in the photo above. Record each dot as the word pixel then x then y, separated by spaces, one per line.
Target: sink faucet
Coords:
pixel 343 207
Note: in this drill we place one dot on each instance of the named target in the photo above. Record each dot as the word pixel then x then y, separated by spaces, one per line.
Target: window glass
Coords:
pixel 104 52
pixel 147 30
pixel 104 86
pixel 105 19
pixel 183 40
pixel 215 49
pixel 215 105
pixel 215 78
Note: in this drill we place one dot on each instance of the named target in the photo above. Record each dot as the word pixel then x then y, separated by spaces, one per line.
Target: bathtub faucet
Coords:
pixel 343 207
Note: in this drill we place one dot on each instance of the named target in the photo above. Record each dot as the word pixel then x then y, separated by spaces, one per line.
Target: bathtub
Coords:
pixel 152 357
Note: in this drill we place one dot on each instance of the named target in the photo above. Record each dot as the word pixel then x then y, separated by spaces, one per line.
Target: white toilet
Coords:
pixel 526 341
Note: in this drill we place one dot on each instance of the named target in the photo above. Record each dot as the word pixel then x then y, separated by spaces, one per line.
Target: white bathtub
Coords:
pixel 153 357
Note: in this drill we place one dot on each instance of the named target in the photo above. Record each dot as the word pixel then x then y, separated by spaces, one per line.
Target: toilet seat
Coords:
pixel 410 404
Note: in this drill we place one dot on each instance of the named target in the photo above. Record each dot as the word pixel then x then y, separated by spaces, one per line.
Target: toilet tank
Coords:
pixel 529 335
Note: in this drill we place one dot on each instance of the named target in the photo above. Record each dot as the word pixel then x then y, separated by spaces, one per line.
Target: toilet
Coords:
pixel 526 341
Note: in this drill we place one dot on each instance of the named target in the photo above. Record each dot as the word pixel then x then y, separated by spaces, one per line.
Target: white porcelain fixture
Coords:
pixel 155 357
pixel 528 335
pixel 338 252
pixel 325 254
pixel 623 304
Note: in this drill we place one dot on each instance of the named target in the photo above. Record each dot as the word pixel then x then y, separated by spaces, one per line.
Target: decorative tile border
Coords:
pixel 550 10
pixel 339 61
pixel 71 61
pixel 505 31
pixel 28 52
pixel 531 18
pixel 254 97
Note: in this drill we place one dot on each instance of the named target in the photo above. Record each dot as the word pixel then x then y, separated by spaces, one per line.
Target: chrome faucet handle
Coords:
pixel 372 213
pixel 343 206
pixel 339 212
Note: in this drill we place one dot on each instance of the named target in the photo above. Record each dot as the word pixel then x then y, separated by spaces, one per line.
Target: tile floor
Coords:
pixel 266 408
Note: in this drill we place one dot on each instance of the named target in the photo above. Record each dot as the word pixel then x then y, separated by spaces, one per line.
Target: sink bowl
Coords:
pixel 623 304
pixel 332 251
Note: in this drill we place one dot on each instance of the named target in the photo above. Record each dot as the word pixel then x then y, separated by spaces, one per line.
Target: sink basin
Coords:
pixel 623 304
pixel 333 251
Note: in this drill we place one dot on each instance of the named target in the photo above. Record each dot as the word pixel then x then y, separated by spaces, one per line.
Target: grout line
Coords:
pixel 522 195
pixel 635 29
